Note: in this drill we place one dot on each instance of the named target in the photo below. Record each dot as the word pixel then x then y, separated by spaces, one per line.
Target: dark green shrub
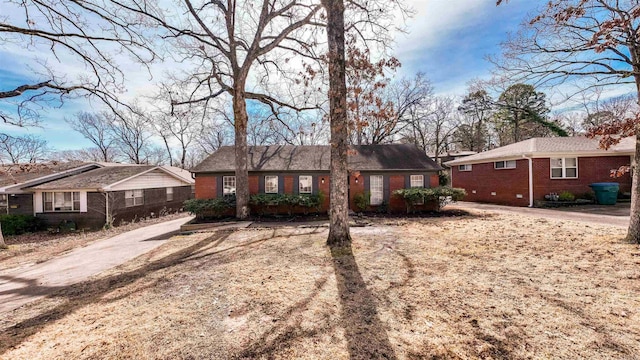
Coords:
pixel 20 224
pixel 566 196
pixel 441 195
pixel 206 208
pixel 362 201
pixel 443 178
pixel 266 201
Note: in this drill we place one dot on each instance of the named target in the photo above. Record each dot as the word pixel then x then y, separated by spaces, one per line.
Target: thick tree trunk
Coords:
pixel 3 245
pixel 633 234
pixel 240 119
pixel 339 210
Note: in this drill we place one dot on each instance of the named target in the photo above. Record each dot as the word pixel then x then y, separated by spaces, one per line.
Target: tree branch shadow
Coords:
pixel 92 291
pixel 366 335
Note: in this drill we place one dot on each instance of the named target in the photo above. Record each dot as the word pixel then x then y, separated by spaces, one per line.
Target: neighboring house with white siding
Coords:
pixel 112 194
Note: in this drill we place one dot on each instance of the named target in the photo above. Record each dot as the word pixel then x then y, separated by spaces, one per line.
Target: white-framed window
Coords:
pixel 133 198
pixel 465 167
pixel 417 181
pixel 61 201
pixel 509 164
pixel 271 184
pixel 376 188
pixel 169 194
pixel 564 168
pixel 305 184
pixel 3 201
pixel 228 185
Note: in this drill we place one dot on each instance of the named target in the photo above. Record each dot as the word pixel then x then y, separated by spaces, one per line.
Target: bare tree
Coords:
pixel 339 213
pixel 227 42
pixel 23 149
pixel 595 41
pixel 91 154
pixel 97 128
pixel 432 126
pixel 73 32
pixel 132 134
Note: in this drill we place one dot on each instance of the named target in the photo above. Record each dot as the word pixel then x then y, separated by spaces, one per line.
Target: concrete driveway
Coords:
pixel 617 215
pixel 19 286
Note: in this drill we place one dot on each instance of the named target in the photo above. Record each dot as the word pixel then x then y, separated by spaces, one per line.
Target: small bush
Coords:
pixel 442 195
pixel 362 201
pixel 205 208
pixel 20 224
pixel 566 196
pixel 443 178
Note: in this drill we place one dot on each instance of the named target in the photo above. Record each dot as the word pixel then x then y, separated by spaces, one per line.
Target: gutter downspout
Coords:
pixel 530 179
pixel 106 209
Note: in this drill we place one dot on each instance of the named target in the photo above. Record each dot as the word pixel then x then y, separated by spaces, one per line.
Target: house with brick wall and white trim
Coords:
pixel 522 173
pixel 282 169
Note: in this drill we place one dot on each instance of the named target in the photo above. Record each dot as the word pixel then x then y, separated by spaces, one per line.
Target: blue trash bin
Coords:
pixel 606 193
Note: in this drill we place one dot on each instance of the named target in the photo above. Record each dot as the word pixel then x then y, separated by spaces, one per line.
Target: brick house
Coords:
pixel 375 169
pixel 522 173
pixel 87 194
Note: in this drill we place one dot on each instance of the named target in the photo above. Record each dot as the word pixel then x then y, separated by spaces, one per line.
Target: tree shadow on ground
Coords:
pixel 366 335
pixel 92 291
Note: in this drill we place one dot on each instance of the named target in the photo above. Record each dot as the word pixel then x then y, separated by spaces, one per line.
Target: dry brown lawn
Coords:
pixel 483 286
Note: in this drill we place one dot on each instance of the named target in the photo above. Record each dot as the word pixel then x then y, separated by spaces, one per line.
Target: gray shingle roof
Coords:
pixel 577 145
pixel 21 173
pixel 317 158
pixel 95 179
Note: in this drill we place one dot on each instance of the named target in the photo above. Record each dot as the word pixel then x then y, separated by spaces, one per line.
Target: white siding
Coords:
pixel 150 180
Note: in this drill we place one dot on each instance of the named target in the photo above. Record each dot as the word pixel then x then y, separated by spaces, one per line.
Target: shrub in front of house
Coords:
pixel 441 195
pixel 270 202
pixel 20 224
pixel 210 208
pixel 362 201
pixel 566 196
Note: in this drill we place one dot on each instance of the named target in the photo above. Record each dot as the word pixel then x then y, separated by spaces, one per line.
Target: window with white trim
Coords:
pixel 271 184
pixel 61 201
pixel 509 164
pixel 169 194
pixel 4 202
pixel 376 188
pixel 465 167
pixel 417 181
pixel 133 198
pixel 305 184
pixel 564 168
pixel 228 185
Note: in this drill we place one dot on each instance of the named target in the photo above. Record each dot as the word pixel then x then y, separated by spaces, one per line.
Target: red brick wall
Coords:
pixel 354 189
pixel 205 186
pixel 434 181
pixel 483 180
pixel 590 170
pixel 396 204
pixel 254 188
pixel 288 184
pixel 325 188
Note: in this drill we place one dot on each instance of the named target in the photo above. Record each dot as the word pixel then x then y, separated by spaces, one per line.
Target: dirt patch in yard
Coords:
pixel 495 286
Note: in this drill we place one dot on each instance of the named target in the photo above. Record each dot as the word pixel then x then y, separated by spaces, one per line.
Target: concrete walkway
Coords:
pixel 597 217
pixel 19 286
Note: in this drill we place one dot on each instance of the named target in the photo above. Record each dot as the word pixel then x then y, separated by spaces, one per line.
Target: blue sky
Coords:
pixel 447 39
